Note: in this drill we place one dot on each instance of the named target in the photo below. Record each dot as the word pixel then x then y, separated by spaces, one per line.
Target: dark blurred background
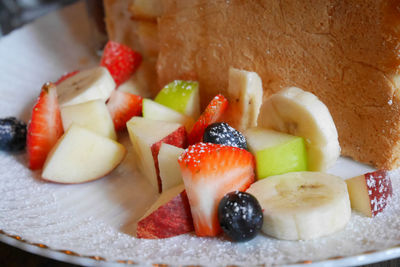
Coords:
pixel 15 13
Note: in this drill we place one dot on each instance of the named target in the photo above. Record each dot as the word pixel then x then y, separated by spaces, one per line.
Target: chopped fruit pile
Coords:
pixel 209 172
pixel 90 109
pixel 199 162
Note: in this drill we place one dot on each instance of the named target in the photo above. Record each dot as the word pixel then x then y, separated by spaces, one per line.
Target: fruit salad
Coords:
pixel 238 167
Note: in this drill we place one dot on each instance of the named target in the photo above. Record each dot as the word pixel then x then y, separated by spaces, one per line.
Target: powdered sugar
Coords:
pixel 98 218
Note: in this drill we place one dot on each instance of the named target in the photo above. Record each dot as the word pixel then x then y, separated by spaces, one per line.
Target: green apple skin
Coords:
pixel 283 158
pixel 155 111
pixel 182 96
pixel 276 153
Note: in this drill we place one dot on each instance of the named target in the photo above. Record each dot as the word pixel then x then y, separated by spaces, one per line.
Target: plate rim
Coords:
pixel 70 256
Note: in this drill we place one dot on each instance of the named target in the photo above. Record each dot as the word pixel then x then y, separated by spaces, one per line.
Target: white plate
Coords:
pixel 92 224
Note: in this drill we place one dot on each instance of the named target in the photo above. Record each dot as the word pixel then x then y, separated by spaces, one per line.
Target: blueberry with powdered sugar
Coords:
pixel 12 134
pixel 240 216
pixel 223 134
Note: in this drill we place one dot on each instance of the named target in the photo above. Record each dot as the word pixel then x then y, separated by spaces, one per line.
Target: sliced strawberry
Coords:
pixel 209 172
pixel 120 60
pixel 211 114
pixel 123 106
pixel 45 127
pixel 66 76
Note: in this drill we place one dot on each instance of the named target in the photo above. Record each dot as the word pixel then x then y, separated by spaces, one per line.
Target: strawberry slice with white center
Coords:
pixel 123 106
pixel 45 127
pixel 209 172
pixel 213 112
pixel 120 60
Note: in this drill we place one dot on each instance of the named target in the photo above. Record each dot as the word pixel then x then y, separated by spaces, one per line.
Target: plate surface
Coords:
pixel 92 223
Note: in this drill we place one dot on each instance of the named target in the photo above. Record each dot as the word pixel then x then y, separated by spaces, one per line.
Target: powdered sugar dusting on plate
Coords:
pixel 98 218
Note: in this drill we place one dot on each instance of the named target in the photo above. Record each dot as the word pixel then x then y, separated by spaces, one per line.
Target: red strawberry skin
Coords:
pixel 209 172
pixel 120 60
pixel 123 106
pixel 66 76
pixel 178 138
pixel 45 127
pixel 380 187
pixel 213 112
pixel 172 219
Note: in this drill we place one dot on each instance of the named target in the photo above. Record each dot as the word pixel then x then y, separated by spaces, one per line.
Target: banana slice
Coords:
pixel 245 95
pixel 301 113
pixel 302 205
pixel 87 85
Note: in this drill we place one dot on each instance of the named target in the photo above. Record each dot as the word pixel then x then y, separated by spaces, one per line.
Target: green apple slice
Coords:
pixel 182 96
pixel 275 152
pixel 155 111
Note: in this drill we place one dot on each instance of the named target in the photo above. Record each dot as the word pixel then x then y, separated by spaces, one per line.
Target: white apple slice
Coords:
pixel 87 85
pixel 81 156
pixel 147 136
pixel 275 152
pixel 370 193
pixel 93 115
pixel 169 216
pixel 155 111
pixel 182 96
pixel 170 171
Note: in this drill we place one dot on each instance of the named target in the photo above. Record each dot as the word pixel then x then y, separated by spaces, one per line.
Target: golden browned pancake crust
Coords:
pixel 345 52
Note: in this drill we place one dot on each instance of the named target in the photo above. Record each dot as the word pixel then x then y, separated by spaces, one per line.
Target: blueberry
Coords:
pixel 240 216
pixel 223 134
pixel 12 134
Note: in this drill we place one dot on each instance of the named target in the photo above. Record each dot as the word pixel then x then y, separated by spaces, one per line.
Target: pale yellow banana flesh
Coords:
pixel 245 95
pixel 92 84
pixel 302 205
